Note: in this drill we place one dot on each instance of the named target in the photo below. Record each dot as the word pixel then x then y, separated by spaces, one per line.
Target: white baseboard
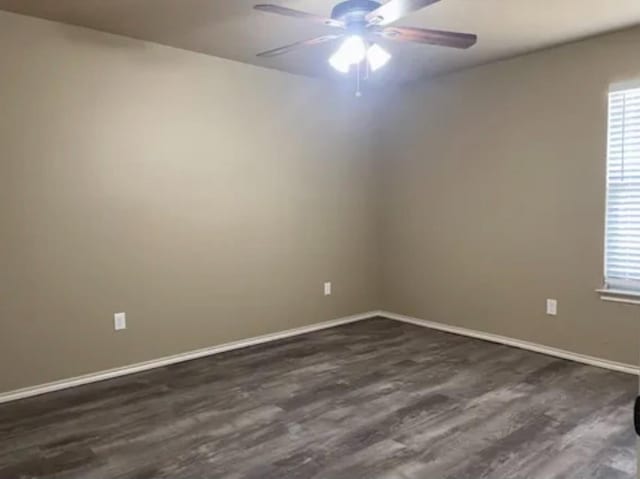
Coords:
pixel 243 343
pixel 494 338
pixel 177 358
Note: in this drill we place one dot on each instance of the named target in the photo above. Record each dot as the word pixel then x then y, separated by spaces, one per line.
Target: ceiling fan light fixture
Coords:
pixel 377 57
pixel 352 51
pixel 361 22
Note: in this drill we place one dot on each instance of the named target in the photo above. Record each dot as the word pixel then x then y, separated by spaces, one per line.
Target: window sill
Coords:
pixel 619 296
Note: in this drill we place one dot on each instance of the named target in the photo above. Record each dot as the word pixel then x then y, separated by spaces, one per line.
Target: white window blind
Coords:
pixel 622 241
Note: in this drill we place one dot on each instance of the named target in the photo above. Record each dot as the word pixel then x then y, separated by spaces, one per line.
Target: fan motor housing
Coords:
pixel 354 11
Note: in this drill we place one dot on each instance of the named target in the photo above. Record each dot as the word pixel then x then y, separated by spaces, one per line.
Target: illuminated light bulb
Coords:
pixel 377 57
pixel 352 51
pixel 339 63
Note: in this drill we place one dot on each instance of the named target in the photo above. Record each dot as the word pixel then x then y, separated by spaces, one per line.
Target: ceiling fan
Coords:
pixel 362 22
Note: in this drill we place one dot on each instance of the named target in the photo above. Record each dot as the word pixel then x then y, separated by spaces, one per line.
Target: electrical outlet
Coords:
pixel 120 321
pixel 327 288
pixel 552 307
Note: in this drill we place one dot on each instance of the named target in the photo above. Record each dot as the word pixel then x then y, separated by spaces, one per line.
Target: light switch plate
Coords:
pixel 327 288
pixel 552 307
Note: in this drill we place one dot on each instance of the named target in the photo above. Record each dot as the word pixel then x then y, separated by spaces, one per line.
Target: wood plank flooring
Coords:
pixel 374 399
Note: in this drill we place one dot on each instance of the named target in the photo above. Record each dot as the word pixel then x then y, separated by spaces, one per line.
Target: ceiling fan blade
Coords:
pixel 290 12
pixel 430 37
pixel 395 9
pixel 296 45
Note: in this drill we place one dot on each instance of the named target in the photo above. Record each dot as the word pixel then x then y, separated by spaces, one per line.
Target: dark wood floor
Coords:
pixel 374 399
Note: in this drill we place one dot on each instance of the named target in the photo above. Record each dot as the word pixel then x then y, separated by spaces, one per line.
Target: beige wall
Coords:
pixel 208 199
pixel 495 184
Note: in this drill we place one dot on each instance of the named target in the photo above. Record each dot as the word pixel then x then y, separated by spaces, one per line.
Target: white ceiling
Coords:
pixel 232 29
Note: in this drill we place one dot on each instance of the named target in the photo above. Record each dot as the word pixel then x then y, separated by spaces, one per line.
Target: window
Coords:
pixel 622 238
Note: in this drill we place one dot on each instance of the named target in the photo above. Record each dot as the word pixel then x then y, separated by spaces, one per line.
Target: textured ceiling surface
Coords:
pixel 232 29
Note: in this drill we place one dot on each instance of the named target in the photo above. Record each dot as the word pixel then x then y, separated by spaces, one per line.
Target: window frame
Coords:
pixel 615 289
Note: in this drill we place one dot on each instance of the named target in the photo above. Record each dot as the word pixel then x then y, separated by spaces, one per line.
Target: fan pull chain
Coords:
pixel 367 69
pixel 358 92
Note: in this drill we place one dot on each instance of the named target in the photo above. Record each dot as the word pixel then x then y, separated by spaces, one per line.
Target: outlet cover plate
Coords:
pixel 120 321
